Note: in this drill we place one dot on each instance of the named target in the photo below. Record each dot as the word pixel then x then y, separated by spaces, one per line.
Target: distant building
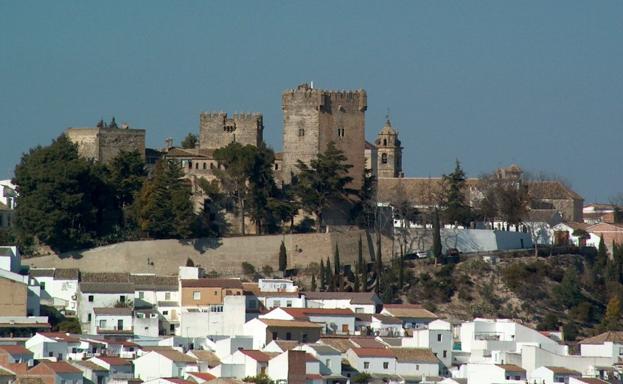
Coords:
pixel 103 143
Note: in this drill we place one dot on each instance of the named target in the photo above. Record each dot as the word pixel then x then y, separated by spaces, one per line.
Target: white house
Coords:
pixel 437 337
pixel 10 259
pixel 101 295
pixel 91 372
pixel 52 346
pixel 358 302
pixel 151 289
pixel 146 322
pixel 494 374
pixel 243 363
pixel 118 368
pixel 337 321
pixel 415 363
pixel 59 287
pixel 552 375
pixel 264 331
pixel 111 321
pixel 224 346
pixel 226 319
pixel 163 363
pixel 277 285
pixel 206 360
pixel 330 366
pixel 291 366
pixel 372 360
pixel 608 344
pixel 412 315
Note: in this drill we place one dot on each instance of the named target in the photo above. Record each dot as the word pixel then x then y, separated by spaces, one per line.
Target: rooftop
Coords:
pixel 212 283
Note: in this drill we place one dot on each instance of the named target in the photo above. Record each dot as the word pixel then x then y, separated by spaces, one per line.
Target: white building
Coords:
pixel 553 375
pixel 277 285
pixel 330 366
pixel 10 259
pixel 412 315
pixel 372 360
pixel 243 363
pixel 226 319
pixel 59 287
pixel 336 321
pixel 494 374
pixel 111 321
pixel 101 295
pixel 437 337
pixel 163 363
pixel 358 302
pixel 608 344
pixel 52 346
pixel 118 368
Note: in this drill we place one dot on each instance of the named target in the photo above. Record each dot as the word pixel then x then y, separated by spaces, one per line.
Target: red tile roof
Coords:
pixel 256 355
pixel 15 350
pixel 113 360
pixel 203 375
pixel 373 352
pixel 212 283
pixel 59 336
pixel 366 342
pixel 304 313
pixel 54 366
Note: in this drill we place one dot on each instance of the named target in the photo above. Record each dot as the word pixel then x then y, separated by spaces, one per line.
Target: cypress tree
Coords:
pixel 323 282
pixel 283 257
pixel 379 264
pixel 436 236
pixel 329 276
pixel 360 266
pixel 356 284
pixel 313 283
pixel 336 260
pixel 602 253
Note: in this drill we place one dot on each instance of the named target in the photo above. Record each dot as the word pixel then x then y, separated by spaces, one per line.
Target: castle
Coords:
pixel 312 119
pixel 104 142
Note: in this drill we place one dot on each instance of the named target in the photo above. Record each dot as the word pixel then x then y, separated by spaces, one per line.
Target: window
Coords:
pixel 340 132
pixel 50 354
pixel 385 365
pixel 165 313
pixel 288 336
pixel 89 317
pixel 304 338
pixel 122 299
pixel 204 166
pixel 196 295
pixel 384 158
pixel 276 303
pixel 289 303
pixel 141 295
pixel 119 324
pixel 167 296
pixel 366 365
pixel 102 323
pixel 42 285
pixel 74 350
pixel 417 367
pixel 276 166
pixel 385 142
pixel 445 353
pixel 90 298
pixel 301 132
pixel 275 336
pixel 172 328
pixel 358 310
pixel 439 337
pixel 228 292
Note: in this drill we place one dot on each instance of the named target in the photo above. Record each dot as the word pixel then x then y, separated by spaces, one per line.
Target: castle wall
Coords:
pixel 217 130
pixel 104 144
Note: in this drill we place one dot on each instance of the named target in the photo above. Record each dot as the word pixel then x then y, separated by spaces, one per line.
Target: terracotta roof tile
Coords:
pixel 15 350
pixel 511 367
pixel 373 352
pixel 212 283
pixel 415 355
pixel 290 323
pixel 262 357
pixel 54 366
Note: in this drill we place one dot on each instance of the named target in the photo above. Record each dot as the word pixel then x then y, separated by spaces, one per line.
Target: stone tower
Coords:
pixel 314 117
pixel 389 152
pixel 217 130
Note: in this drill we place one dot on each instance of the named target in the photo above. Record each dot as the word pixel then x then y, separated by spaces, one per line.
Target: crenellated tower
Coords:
pixel 217 130
pixel 314 117
pixel 389 152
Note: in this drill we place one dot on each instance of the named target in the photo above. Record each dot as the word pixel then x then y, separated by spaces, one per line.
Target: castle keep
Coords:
pixel 217 130
pixel 312 118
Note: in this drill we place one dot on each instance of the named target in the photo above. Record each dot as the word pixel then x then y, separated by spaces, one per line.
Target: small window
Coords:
pixel 50 354
pixel 277 303
pixel 445 353
pixel 167 296
pixel 340 132
pixel 211 165
pixel 89 317
pixel 171 327
pixel 90 298
pixel 275 336
pixel 205 166
pixel 196 295
pixel 301 132
pixel 366 365
pixel 417 367
pixel 289 303
pixel 122 299
pixel 304 338
pixel 385 365
pixel 288 336
pixel 165 313
pixel 276 166
pixel 439 337
pixel 42 285
pixel 385 142
pixel 141 295
pixel 384 158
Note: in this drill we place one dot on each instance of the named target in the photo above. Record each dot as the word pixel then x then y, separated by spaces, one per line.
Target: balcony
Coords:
pixel 115 330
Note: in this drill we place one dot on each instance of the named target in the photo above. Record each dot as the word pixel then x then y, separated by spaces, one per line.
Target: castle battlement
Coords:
pixel 234 116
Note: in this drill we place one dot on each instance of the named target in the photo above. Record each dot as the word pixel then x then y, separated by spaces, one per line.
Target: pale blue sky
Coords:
pixel 537 83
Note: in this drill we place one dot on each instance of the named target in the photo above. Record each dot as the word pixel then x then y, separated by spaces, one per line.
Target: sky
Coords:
pixel 490 83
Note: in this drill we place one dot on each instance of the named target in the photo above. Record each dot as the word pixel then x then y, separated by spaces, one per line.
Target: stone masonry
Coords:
pixel 313 118
pixel 217 130
pixel 104 144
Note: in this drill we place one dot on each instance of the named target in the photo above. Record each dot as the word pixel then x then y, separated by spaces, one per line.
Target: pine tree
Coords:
pixel 313 283
pixel 323 281
pixel 456 208
pixel 283 257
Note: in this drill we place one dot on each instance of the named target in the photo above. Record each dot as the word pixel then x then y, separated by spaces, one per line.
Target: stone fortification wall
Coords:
pixel 222 255
pixel 104 144
pixel 217 130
